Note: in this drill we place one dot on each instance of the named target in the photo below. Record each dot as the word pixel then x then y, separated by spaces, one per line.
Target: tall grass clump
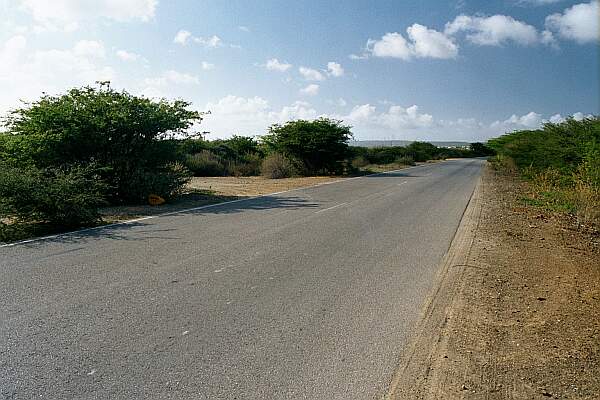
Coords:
pixel 278 166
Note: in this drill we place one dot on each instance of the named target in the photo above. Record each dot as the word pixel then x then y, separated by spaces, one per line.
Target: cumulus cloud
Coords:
pixel 578 23
pixel 494 30
pixel 367 117
pixel 429 43
pixel 532 120
pixel 311 74
pixel 183 37
pixel 310 90
pixel 423 43
pixel 173 77
pixel 128 56
pixel 26 73
pixel 89 48
pixel 74 11
pixel 334 69
pixel 251 116
pixel 275 65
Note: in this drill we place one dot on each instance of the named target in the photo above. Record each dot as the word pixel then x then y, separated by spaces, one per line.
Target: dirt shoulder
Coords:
pixel 515 312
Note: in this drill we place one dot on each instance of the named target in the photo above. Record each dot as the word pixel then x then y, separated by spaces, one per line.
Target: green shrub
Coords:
pixel 63 197
pixel 206 163
pixel 249 165
pixel 562 163
pixel 320 145
pixel 125 134
pixel 277 166
pixel 359 162
pixel 406 160
pixel 167 183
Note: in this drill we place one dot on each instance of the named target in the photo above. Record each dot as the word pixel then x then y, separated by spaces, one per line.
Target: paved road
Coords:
pixel 307 294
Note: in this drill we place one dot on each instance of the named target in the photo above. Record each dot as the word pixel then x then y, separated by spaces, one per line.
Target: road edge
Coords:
pixel 169 213
pixel 416 375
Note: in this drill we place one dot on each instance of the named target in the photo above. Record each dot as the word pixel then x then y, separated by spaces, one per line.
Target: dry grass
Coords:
pixel 254 185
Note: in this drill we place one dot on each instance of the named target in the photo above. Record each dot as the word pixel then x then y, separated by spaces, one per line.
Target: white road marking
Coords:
pixel 132 221
pixel 330 208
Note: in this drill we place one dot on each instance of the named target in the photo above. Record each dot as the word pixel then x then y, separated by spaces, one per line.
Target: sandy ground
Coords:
pixel 210 190
pixel 518 316
pixel 254 185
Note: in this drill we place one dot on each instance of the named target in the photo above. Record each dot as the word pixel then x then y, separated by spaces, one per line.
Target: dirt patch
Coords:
pixel 254 185
pixel 210 190
pixel 517 316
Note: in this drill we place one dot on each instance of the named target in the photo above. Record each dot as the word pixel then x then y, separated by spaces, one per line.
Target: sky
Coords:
pixel 406 70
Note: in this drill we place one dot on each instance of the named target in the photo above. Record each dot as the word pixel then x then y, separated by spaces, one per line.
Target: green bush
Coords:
pixel 562 162
pixel 406 160
pixel 63 197
pixel 167 183
pixel 277 166
pixel 206 163
pixel 249 165
pixel 125 134
pixel 320 145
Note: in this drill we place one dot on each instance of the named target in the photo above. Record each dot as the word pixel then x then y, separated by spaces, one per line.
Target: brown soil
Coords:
pixel 210 190
pixel 254 185
pixel 518 316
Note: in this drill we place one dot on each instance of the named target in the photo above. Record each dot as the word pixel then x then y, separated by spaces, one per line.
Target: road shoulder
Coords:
pixel 514 311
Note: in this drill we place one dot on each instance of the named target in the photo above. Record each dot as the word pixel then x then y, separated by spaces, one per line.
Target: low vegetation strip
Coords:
pixel 562 164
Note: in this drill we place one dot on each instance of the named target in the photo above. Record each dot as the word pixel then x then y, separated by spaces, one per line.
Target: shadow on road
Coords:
pixel 123 230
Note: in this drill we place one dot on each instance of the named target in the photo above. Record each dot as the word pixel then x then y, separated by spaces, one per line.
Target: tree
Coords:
pixel 117 131
pixel 320 145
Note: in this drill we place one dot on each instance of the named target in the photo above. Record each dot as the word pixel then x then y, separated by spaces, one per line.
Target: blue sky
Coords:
pixel 430 70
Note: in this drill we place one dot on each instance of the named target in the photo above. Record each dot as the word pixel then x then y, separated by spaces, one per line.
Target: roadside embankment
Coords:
pixel 515 313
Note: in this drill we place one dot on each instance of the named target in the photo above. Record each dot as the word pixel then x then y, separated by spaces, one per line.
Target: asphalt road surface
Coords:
pixel 307 294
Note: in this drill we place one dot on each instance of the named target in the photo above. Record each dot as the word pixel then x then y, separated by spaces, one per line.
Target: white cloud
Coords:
pixel 366 118
pixel 275 65
pixel 340 102
pixel 173 77
pixel 25 73
pixel 244 28
pixel 250 116
pixel 363 56
pixel 334 69
pixel 392 45
pixel 207 66
pixel 578 23
pixel 532 120
pixel 128 56
pixel 212 41
pixel 538 2
pixel 90 48
pixel 310 90
pixel 183 37
pixel 431 43
pixel 495 30
pixel 69 11
pixel 311 74
pixel 423 43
